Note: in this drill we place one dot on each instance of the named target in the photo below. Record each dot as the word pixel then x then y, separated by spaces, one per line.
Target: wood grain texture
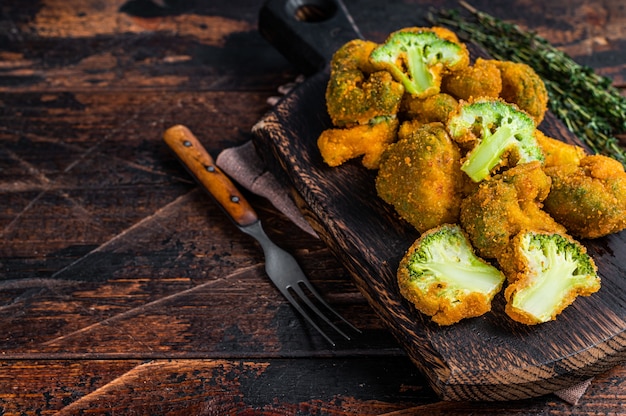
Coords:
pixel 123 288
pixel 229 387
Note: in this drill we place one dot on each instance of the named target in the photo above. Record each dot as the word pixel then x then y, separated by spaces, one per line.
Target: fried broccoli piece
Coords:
pixel 589 199
pixel 558 153
pixel 356 92
pixel 444 279
pixel 420 176
pixel 442 32
pixel 522 86
pixel 370 141
pixel 505 205
pixel 434 108
pixel 504 135
pixel 418 57
pixel 479 80
pixel 548 272
pixel 362 103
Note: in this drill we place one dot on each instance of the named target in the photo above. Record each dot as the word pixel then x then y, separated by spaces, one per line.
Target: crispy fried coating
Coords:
pixel 408 127
pixel 356 92
pixel 420 176
pixel 369 140
pixel 558 153
pixel 546 272
pixel 522 86
pixel 445 33
pixel 500 208
pixel 441 275
pixel 447 311
pixel 589 199
pixel 435 108
pixel 479 80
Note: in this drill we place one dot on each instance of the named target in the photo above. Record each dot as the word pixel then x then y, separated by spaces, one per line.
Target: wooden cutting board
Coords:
pixel 485 358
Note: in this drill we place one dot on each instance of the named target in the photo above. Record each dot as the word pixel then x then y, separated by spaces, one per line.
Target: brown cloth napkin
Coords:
pixel 244 165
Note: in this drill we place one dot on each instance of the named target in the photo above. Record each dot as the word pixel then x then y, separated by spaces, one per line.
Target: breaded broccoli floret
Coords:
pixel 362 103
pixel 504 135
pixel 420 176
pixel 549 272
pixel 369 140
pixel 588 199
pixel 417 57
pixel 505 205
pixel 357 92
pixel 522 86
pixel 434 108
pixel 444 279
pixel 558 153
pixel 479 80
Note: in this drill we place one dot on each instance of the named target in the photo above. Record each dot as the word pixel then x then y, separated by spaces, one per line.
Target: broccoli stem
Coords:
pixel 419 70
pixel 557 278
pixel 487 154
pixel 475 277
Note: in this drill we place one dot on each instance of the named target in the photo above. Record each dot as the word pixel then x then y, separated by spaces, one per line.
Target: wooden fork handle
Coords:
pixel 202 167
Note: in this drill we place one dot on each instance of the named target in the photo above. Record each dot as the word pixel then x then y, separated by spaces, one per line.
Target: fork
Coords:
pixel 280 266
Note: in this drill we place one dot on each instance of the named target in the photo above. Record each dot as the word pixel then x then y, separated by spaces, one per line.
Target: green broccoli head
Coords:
pixel 417 58
pixel 443 278
pixel 500 130
pixel 552 270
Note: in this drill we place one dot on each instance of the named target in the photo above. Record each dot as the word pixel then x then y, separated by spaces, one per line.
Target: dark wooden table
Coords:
pixel 123 288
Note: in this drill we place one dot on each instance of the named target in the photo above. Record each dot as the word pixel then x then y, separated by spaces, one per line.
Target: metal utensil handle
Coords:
pixel 202 167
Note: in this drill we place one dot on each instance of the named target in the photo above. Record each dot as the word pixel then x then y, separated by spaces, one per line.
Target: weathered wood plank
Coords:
pixel 42 387
pixel 95 206
pixel 212 387
pixel 76 46
pixel 170 316
pixel 81 168
pixel 86 90
pixel 272 386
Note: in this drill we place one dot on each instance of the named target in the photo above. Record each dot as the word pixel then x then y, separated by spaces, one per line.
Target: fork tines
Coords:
pixel 302 298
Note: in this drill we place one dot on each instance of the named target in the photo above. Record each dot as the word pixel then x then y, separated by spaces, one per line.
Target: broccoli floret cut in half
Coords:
pixel 552 271
pixel 444 279
pixel 418 58
pixel 503 135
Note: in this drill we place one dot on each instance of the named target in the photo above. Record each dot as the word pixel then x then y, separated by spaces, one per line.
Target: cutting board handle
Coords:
pixel 307 32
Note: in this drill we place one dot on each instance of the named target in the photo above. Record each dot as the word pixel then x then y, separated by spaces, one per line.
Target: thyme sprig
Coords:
pixel 585 101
